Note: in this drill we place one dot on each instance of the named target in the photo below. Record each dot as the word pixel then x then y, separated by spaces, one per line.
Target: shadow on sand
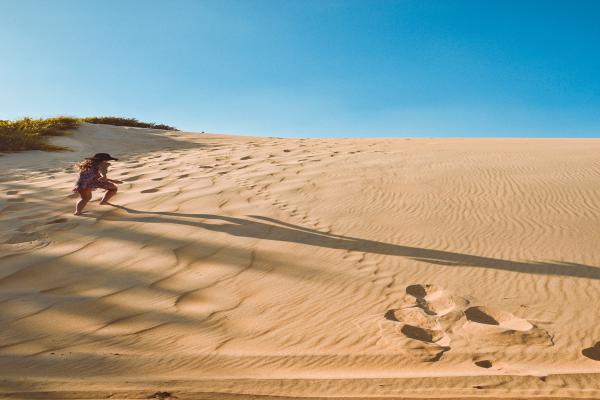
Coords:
pixel 261 227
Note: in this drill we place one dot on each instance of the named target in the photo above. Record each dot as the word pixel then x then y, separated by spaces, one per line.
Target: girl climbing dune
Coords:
pixel 92 175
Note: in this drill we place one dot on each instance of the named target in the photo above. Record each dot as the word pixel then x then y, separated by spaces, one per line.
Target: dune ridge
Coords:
pixel 232 266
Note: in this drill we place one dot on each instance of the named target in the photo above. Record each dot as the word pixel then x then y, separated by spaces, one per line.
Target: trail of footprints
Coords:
pixel 432 316
pixel 437 318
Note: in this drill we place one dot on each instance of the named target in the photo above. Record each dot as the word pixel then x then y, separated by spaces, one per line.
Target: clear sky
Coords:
pixel 309 68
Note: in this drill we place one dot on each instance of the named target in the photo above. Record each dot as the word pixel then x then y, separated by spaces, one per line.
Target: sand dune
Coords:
pixel 233 266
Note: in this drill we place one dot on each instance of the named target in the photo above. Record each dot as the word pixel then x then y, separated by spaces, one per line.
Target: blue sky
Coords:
pixel 309 68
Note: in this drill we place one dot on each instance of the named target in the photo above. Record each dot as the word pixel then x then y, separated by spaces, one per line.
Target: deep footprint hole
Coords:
pixel 592 352
pixel 389 315
pixel 424 335
pixel 484 364
pixel 475 314
pixel 417 291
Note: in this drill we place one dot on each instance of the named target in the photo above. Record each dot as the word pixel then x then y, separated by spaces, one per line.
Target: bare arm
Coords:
pixel 103 170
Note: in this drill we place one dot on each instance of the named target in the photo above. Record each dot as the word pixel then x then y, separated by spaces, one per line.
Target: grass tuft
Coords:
pixel 120 121
pixel 32 134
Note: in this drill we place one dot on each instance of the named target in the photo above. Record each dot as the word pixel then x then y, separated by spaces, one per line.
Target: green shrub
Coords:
pixel 32 134
pixel 120 121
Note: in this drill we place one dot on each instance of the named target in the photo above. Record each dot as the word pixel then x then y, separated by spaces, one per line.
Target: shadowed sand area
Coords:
pixel 234 267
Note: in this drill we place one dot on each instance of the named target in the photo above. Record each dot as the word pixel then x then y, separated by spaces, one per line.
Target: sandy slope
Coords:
pixel 305 268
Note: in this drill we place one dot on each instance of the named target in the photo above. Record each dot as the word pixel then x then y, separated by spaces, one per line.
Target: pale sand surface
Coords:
pixel 369 268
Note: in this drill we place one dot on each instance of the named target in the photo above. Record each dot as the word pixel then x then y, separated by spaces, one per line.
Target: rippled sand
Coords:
pixel 231 266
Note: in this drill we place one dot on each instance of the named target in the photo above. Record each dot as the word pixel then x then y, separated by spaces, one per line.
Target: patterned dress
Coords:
pixel 91 178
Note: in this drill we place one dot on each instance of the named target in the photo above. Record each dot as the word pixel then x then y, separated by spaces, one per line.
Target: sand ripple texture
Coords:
pixel 231 267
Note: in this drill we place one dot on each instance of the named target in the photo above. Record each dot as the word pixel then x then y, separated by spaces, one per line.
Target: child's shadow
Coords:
pixel 261 227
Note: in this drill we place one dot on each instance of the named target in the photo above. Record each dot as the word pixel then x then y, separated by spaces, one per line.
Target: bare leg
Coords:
pixel 108 195
pixel 86 195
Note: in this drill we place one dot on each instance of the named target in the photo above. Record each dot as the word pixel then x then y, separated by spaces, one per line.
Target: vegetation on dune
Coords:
pixel 32 134
pixel 120 121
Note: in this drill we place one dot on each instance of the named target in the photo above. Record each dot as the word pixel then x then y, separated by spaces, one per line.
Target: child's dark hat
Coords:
pixel 103 157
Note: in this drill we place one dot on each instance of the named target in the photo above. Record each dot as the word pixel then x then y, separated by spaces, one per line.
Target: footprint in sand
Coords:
pixel 39 230
pixel 502 319
pixel 11 192
pixel 245 158
pixel 424 335
pixel 419 326
pixel 24 237
pixel 484 364
pixel 163 395
pixel 153 190
pixel 57 221
pixel 434 315
pixel 22 242
pixel 592 352
pixel 435 300
pixel 500 328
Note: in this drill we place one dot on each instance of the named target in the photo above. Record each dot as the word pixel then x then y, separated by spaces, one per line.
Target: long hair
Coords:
pixel 87 164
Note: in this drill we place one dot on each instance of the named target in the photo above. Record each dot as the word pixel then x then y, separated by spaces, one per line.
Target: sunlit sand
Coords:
pixel 446 268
